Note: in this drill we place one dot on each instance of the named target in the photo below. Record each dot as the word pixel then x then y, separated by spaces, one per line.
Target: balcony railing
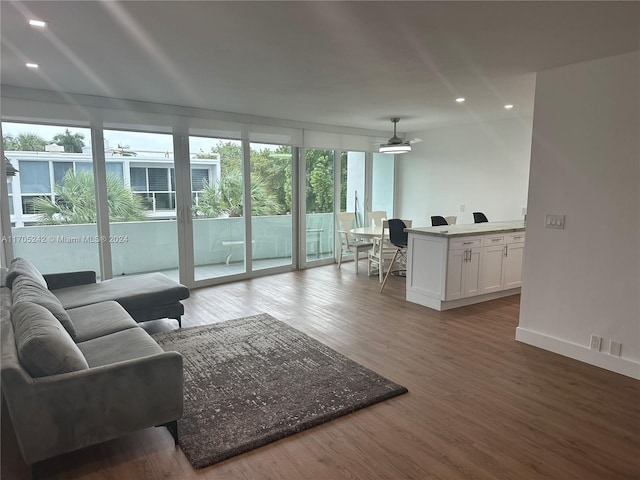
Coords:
pixel 138 247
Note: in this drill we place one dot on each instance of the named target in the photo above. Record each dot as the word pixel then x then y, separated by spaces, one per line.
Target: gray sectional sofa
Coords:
pixel 75 373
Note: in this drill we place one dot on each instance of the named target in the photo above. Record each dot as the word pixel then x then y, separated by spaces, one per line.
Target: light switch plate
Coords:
pixel 554 221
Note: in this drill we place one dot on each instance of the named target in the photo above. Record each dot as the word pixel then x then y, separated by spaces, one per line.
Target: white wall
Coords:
pixel 585 164
pixel 484 166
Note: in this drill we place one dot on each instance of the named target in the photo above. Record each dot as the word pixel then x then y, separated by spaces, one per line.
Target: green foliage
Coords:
pixel 72 142
pixel 75 201
pixel 225 199
pixel 24 142
pixel 270 182
pixel 319 181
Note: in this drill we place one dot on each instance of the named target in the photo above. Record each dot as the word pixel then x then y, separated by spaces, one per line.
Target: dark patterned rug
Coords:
pixel 254 380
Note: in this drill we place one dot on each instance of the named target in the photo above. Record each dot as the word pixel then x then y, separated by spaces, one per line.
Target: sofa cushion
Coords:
pixel 99 319
pixel 25 289
pixel 20 266
pixel 118 347
pixel 44 347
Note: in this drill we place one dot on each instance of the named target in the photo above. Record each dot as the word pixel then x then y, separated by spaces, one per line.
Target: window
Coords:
pixel 199 176
pixel 138 179
pixel 60 169
pixel 34 177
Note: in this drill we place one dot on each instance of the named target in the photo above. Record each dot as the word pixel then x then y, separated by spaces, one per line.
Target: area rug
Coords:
pixel 254 380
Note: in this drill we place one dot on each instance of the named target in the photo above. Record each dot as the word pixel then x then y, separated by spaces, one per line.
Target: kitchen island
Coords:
pixel 455 265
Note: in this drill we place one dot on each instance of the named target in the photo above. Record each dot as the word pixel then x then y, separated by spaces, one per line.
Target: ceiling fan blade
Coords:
pixel 415 140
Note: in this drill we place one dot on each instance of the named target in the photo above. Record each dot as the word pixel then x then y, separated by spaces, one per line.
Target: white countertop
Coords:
pixel 470 229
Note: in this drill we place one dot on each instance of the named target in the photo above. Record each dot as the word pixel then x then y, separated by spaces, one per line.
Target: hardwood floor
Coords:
pixel 480 405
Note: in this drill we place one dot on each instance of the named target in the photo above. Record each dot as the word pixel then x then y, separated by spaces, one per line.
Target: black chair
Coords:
pixel 479 217
pixel 437 220
pixel 400 239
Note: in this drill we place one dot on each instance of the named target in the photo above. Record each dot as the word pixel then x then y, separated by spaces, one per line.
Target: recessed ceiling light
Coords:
pixel 31 65
pixel 37 23
pixel 460 99
pixel 508 107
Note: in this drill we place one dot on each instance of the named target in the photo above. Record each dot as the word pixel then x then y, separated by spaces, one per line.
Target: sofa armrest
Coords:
pixel 61 413
pixel 69 279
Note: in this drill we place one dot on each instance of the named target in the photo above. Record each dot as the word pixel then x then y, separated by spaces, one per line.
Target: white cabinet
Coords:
pixel 502 262
pixel 463 268
pixel 493 267
pixel 512 263
pixel 448 269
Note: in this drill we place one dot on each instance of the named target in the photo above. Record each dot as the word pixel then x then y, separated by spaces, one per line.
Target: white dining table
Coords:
pixel 366 232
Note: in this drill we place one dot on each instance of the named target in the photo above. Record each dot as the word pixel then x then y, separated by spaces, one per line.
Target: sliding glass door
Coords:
pixel 52 196
pixel 141 191
pixel 271 205
pixel 319 200
pixel 217 185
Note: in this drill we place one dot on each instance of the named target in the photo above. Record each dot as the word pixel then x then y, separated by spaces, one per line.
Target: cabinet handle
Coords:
pixel 468 243
pixel 496 239
pixel 506 250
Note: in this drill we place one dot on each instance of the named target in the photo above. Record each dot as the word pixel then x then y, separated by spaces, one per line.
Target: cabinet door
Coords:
pixel 472 273
pixel 455 264
pixel 492 268
pixel 513 265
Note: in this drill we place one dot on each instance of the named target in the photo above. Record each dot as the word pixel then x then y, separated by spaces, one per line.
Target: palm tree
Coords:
pixel 75 201
pixel 225 198
pixel 72 142
pixel 24 142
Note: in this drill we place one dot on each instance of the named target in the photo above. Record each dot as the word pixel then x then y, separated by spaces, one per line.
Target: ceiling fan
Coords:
pixel 396 144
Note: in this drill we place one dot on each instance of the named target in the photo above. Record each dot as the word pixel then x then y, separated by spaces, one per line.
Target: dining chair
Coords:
pixel 479 217
pixel 399 239
pixel 437 220
pixel 375 218
pixel 345 222
pixel 381 252
pixel 451 219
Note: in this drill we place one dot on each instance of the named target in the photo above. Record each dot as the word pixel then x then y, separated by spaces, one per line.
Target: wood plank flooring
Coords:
pixel 480 405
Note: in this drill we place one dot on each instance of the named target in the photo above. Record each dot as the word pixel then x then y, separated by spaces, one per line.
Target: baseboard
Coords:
pixel 582 353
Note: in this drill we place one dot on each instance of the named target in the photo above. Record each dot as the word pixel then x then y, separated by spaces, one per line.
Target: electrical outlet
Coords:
pixel 524 210
pixel 615 348
pixel 596 342
pixel 462 207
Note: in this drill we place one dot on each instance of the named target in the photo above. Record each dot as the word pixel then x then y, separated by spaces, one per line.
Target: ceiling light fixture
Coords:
pixel 31 65
pixel 508 107
pixel 460 99
pixel 37 23
pixel 395 144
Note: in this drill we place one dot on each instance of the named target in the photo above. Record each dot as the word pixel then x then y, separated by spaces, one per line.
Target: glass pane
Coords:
pixel 158 179
pixel 382 183
pixel 271 205
pixel 353 172
pixel 199 178
pixel 61 217
pixel 84 167
pixel 319 198
pixel 116 169
pixel 34 177
pixel 138 179
pixel 59 170
pixel 141 245
pixel 218 224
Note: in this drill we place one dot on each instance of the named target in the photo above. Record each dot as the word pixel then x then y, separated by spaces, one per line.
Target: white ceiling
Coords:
pixel 352 64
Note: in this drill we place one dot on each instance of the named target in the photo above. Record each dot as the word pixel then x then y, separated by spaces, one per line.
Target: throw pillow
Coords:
pixel 44 347
pixel 25 289
pixel 20 266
